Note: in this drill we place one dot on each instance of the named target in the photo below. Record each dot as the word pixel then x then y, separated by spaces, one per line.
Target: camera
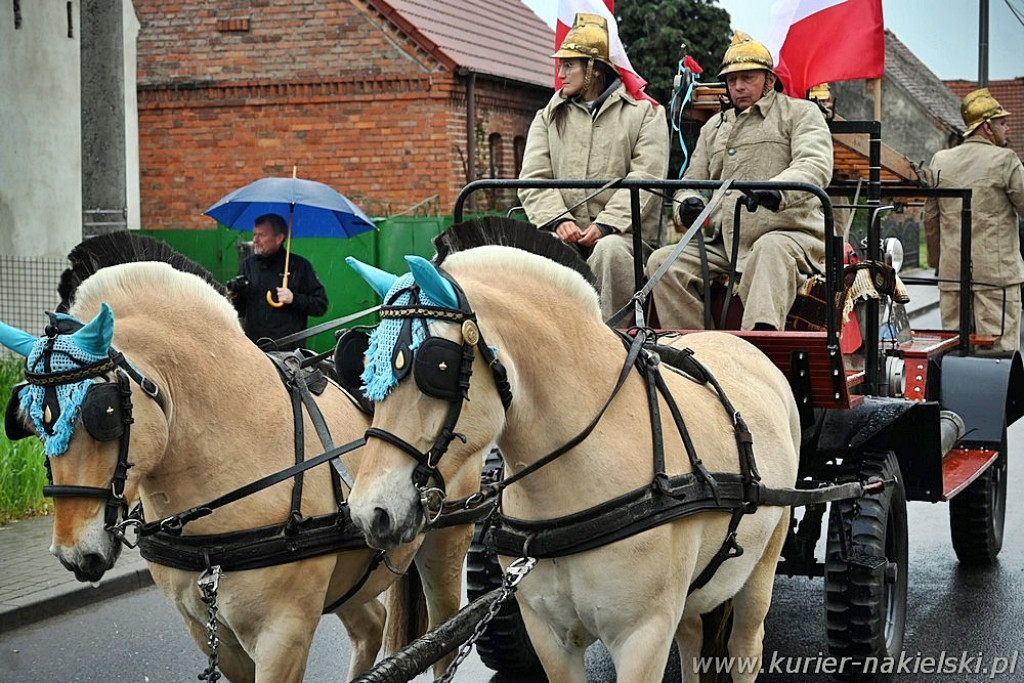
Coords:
pixel 238 283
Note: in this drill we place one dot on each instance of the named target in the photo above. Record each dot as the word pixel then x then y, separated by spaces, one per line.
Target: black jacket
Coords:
pixel 265 274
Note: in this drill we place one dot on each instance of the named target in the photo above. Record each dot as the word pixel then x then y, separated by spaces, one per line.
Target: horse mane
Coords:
pixel 173 288
pixel 507 232
pixel 120 247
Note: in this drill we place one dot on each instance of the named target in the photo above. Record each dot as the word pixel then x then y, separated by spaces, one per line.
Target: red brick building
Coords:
pixel 1009 93
pixel 382 100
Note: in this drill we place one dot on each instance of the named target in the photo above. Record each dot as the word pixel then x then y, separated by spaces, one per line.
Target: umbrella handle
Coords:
pixel 270 294
pixel 271 302
pixel 287 257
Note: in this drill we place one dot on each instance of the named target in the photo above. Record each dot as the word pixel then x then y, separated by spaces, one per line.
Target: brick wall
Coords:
pixel 235 90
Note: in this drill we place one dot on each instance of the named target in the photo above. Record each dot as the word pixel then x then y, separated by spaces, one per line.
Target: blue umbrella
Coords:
pixel 313 210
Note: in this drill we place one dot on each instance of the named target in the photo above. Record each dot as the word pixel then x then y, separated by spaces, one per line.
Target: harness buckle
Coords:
pixel 149 387
pixel 518 570
pixel 432 501
pixel 172 526
pixel 119 532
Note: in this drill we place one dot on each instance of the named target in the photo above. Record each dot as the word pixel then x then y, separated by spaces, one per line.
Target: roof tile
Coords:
pixel 475 35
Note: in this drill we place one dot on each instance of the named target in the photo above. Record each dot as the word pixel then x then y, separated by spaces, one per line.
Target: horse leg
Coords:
pixel 690 640
pixel 561 656
pixel 641 655
pixel 750 607
pixel 365 627
pixel 232 659
pixel 439 560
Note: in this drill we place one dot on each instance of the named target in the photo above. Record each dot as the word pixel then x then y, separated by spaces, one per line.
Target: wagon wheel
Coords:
pixel 977 513
pixel 504 645
pixel 866 595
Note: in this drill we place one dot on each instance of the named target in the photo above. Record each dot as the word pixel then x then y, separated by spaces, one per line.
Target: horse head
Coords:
pixel 77 401
pixel 428 334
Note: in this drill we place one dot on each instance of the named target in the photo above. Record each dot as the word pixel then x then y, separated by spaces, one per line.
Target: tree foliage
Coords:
pixel 653 31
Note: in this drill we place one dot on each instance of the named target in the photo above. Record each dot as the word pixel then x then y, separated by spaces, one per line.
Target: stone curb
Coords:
pixel 69 596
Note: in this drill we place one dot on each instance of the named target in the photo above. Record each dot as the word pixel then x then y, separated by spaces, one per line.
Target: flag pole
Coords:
pixel 876 90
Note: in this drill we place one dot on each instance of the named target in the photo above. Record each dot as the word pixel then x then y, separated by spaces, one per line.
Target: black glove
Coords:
pixel 689 210
pixel 769 199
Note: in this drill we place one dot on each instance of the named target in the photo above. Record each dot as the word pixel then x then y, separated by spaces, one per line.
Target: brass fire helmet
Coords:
pixel 587 39
pixel 979 107
pixel 746 54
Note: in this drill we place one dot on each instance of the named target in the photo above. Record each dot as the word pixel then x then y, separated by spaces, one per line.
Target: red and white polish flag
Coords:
pixel 567 10
pixel 819 41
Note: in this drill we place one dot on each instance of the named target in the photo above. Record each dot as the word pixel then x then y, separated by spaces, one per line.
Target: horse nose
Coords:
pixel 381 523
pixel 92 567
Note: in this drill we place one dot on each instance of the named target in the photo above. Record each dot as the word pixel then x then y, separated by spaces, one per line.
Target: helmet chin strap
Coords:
pixel 588 78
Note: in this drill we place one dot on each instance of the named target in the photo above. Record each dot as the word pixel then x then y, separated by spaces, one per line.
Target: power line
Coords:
pixel 1018 13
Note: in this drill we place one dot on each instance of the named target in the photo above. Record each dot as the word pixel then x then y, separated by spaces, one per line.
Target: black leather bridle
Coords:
pixel 442 369
pixel 106 413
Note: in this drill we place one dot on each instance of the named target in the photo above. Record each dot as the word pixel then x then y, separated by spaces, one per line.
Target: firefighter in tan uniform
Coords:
pixel 594 129
pixel 985 165
pixel 765 136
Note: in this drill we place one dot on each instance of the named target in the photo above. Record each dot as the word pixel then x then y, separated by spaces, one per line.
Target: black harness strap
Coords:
pixel 729 549
pixel 613 520
pixel 254 548
pixel 299 432
pixel 174 524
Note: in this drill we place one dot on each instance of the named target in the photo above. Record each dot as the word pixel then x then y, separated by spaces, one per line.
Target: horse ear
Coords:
pixel 97 334
pixel 430 281
pixel 380 280
pixel 16 340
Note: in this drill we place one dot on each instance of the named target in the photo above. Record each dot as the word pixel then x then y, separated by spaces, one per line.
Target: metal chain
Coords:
pixel 510 581
pixel 208 582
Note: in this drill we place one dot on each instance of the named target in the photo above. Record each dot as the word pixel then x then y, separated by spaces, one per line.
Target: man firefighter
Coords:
pixel 765 135
pixel 985 164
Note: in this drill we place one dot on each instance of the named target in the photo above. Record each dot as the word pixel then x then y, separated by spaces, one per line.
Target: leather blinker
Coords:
pixel 102 414
pixel 14 427
pixel 438 363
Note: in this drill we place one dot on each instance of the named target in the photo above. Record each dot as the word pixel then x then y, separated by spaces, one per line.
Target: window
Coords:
pixel 494 143
pixel 519 149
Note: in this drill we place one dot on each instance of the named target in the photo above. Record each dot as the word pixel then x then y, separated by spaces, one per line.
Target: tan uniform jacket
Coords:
pixel 996 178
pixel 627 139
pixel 777 138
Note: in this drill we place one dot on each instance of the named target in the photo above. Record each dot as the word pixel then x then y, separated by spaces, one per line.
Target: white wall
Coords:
pixel 40 130
pixel 131 114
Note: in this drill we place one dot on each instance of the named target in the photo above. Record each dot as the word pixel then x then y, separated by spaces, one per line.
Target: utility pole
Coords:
pixel 983 44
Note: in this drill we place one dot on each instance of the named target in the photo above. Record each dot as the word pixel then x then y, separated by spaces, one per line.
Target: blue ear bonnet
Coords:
pixel 50 355
pixel 384 367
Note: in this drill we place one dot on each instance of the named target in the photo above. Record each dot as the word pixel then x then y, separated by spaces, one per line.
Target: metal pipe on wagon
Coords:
pixel 420 654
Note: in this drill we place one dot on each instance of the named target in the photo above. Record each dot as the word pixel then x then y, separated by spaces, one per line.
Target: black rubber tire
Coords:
pixel 504 646
pixel 866 610
pixel 977 515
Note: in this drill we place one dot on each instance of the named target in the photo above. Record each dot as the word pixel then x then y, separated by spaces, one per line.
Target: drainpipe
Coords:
pixel 470 130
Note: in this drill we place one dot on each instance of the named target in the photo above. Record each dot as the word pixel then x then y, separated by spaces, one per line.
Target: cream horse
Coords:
pixel 562 362
pixel 226 421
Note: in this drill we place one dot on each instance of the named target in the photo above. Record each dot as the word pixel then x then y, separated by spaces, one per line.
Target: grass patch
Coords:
pixel 22 468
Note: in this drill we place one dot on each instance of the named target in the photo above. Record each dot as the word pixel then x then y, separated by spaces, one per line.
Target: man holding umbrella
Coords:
pixel 272 304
